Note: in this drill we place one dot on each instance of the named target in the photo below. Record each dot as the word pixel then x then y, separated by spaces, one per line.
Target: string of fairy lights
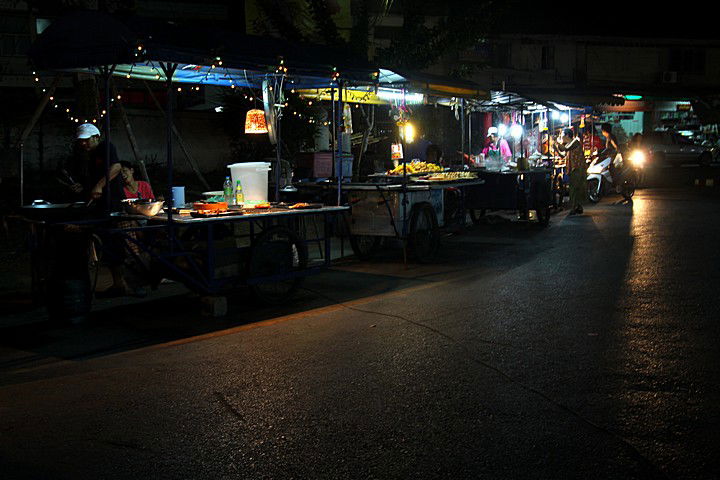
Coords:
pixel 247 92
pixel 70 114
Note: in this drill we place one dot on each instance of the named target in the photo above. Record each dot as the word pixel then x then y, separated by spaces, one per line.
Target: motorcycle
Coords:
pixel 600 181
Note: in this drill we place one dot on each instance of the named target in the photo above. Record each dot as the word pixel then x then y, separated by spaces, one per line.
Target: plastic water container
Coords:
pixel 253 177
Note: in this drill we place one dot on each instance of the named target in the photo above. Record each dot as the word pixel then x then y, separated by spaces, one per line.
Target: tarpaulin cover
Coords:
pixel 91 39
pixel 433 84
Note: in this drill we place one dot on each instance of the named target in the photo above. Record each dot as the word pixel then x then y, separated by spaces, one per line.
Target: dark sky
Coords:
pixel 613 18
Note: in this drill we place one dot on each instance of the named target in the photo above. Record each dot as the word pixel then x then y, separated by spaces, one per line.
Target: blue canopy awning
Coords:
pixel 86 41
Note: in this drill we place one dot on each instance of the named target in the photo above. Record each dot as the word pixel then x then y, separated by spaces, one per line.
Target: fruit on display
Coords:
pixel 440 176
pixel 415 167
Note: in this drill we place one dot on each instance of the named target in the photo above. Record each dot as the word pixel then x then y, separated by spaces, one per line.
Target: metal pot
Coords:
pixel 143 207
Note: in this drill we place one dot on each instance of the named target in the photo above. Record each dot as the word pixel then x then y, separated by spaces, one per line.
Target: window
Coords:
pixel 501 54
pixel 687 60
pixel 14 36
pixel 547 59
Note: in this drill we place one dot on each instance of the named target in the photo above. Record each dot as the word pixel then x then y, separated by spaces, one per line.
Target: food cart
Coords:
pixel 538 182
pixel 519 190
pixel 265 249
pixel 415 201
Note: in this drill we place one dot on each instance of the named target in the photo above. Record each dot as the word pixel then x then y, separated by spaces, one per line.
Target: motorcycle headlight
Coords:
pixel 637 158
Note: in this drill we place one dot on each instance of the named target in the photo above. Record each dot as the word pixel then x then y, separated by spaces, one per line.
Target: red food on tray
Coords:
pixel 210 206
pixel 262 205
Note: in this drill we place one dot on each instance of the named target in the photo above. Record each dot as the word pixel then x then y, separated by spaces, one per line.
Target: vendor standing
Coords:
pixel 497 146
pixel 85 175
pixel 571 146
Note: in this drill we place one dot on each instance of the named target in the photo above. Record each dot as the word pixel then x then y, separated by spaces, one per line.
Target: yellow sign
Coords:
pixel 350 96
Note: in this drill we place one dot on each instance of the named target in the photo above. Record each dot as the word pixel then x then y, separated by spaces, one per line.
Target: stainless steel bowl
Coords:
pixel 148 209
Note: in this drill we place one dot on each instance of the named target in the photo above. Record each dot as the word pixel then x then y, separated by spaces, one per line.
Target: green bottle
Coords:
pixel 239 197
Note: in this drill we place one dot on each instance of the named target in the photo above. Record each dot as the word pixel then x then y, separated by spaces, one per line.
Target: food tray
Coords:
pixel 228 213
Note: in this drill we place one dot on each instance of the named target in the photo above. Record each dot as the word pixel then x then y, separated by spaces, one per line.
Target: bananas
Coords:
pixel 416 167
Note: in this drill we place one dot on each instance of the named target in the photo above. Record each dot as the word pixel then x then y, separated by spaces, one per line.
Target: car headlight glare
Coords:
pixel 637 158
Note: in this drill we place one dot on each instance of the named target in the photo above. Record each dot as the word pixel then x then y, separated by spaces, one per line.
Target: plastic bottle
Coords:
pixel 239 197
pixel 228 191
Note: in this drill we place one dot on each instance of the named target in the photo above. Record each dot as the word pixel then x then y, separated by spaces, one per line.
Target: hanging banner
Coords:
pixel 396 151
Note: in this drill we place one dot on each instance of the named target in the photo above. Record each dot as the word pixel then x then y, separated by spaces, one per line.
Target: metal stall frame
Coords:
pixel 133 60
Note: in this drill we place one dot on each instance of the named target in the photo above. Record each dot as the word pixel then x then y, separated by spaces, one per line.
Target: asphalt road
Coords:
pixel 585 350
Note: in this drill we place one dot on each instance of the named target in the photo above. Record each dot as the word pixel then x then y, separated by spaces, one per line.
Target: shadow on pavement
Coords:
pixel 121 325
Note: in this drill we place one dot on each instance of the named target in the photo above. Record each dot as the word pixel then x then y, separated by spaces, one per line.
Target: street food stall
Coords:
pixel 208 246
pixel 415 200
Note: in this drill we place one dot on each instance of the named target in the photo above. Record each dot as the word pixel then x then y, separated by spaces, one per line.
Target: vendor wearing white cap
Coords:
pixel 497 146
pixel 86 175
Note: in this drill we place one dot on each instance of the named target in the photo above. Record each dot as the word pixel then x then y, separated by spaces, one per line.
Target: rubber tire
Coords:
pixel 265 260
pixel 423 243
pixel 365 246
pixel 592 186
pixel 628 188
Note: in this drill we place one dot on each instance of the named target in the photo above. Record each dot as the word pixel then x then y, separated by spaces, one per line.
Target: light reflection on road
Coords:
pixel 650 335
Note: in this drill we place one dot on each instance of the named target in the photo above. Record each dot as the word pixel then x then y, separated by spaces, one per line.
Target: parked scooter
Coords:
pixel 600 181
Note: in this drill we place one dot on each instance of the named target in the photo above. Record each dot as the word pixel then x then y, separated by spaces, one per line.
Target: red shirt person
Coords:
pixel 134 188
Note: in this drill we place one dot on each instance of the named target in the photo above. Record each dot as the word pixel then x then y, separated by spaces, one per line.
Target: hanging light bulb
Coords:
pixel 516 131
pixel 255 121
pixel 409 132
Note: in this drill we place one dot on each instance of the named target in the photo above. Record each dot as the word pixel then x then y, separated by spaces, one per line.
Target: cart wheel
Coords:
pixel 276 252
pixel 424 234
pixel 476 215
pixel 364 246
pixel 593 187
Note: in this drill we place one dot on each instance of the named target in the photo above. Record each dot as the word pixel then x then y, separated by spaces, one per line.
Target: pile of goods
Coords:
pixel 415 167
pixel 449 176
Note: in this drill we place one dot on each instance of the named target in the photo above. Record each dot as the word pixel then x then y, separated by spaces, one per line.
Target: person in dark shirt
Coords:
pixel 86 172
pixel 611 150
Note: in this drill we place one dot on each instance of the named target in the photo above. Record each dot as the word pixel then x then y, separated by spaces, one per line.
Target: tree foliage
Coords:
pixel 430 32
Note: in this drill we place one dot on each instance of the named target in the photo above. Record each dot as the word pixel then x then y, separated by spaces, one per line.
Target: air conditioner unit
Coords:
pixel 669 77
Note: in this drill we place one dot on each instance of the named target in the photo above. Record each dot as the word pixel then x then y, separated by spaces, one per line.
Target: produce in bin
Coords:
pixel 415 167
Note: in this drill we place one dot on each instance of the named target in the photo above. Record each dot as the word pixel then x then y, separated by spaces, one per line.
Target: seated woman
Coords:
pixel 128 260
pixel 134 188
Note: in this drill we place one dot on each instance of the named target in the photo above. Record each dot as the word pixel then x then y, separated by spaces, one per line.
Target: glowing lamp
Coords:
pixel 555 115
pixel 255 121
pixel 516 131
pixel 409 132
pixel 564 117
pixel 502 130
